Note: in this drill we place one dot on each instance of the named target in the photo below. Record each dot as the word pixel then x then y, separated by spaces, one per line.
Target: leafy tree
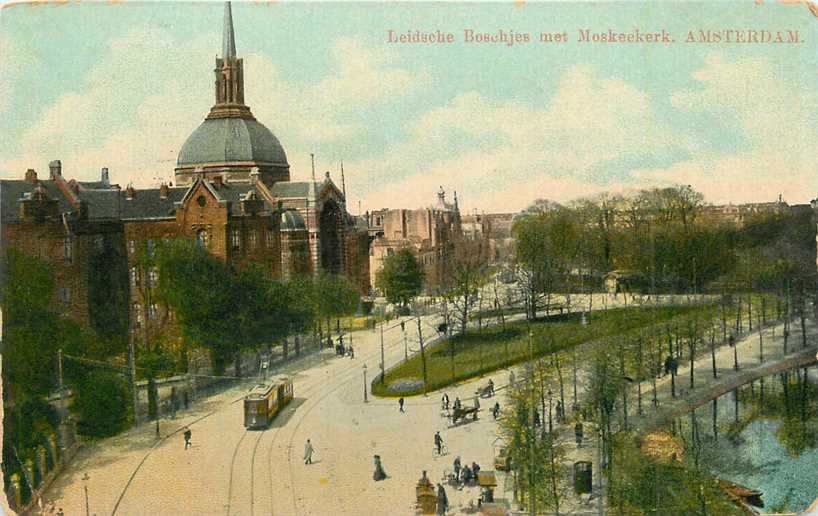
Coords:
pixel 469 272
pixel 30 330
pixel 227 311
pixel 102 403
pixel 401 278
pixel 335 296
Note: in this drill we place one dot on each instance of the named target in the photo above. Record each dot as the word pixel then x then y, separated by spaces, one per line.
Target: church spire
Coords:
pixel 229 75
pixel 228 37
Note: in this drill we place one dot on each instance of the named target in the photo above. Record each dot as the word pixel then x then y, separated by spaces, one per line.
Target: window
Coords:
pixel 134 277
pixel 131 247
pixel 149 248
pixel 153 277
pixel 65 295
pixel 235 239
pixel 271 239
pixel 253 239
pixel 153 311
pixel 201 238
pixel 68 249
pixel 137 314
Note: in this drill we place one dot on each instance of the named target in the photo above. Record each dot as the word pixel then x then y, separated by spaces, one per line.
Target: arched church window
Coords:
pixel 201 238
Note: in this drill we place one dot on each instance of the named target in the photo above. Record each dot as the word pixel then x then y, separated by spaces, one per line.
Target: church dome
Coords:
pixel 226 140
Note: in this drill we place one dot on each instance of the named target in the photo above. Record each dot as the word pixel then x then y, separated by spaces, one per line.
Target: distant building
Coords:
pixel 737 215
pixel 495 228
pixel 431 232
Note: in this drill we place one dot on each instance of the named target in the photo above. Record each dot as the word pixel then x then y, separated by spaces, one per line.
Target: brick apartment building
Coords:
pixel 233 195
pixel 431 232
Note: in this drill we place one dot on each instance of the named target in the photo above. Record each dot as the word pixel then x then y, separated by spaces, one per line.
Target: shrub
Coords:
pixel 103 404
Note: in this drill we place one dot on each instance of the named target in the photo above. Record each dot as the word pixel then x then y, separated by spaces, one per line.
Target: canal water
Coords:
pixel 763 436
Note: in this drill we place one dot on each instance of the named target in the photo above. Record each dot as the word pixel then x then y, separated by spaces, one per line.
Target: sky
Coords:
pixel 122 85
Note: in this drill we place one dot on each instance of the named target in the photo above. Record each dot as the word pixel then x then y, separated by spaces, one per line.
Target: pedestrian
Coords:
pixel 578 433
pixel 308 451
pixel 456 467
pixel 491 388
pixel 495 410
pixel 187 435
pixel 379 473
pixel 438 443
pixel 456 405
pixel 351 352
pixel 511 378
pixel 560 412
pixel 475 467
pixel 445 401
pixel 400 404
pixel 477 402
pixel 442 500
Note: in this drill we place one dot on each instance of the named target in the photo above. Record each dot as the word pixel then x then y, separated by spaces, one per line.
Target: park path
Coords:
pixel 706 388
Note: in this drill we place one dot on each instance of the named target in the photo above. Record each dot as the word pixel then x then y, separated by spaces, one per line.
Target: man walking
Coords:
pixel 442 500
pixel 187 435
pixel 438 443
pixel 308 451
pixel 400 404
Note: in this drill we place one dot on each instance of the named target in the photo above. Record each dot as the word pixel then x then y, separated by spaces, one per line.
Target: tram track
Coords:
pixel 348 375
pixel 232 468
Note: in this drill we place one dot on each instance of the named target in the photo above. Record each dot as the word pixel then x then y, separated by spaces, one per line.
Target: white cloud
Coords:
pixel 10 63
pixel 778 119
pixel 148 92
pixel 519 152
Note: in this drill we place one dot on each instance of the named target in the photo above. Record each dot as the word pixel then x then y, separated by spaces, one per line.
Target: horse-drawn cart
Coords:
pixel 461 414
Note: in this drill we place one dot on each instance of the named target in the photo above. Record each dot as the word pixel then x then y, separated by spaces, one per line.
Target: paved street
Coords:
pixel 231 471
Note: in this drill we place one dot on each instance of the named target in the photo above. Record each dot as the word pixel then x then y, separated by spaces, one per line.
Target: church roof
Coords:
pixel 226 140
pixel 296 189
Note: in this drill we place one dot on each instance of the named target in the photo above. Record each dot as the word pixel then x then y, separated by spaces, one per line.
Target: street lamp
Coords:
pixel 550 423
pixel 85 478
pixel 365 397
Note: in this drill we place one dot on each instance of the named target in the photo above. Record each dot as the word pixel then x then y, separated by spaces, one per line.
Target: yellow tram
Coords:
pixel 265 401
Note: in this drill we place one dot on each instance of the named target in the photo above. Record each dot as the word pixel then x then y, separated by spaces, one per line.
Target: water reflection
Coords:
pixel 763 436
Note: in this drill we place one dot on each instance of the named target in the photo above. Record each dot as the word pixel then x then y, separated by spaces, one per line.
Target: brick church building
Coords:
pixel 232 195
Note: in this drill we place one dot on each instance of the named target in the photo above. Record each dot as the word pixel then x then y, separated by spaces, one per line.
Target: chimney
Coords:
pixel 31 176
pixel 56 168
pixel 103 177
pixel 130 192
pixel 163 191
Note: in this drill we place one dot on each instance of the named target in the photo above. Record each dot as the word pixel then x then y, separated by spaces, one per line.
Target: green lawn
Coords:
pixel 494 348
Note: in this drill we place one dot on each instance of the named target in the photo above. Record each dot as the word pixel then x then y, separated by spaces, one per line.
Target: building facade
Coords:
pixel 431 232
pixel 233 196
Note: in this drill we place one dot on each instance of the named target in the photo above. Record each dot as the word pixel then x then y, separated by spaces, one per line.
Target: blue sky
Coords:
pixel 122 85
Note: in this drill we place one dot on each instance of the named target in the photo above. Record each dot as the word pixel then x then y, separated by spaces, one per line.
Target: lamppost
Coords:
pixel 85 478
pixel 365 397
pixel 550 423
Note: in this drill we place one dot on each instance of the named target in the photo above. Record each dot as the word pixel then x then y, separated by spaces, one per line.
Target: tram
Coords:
pixel 265 401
